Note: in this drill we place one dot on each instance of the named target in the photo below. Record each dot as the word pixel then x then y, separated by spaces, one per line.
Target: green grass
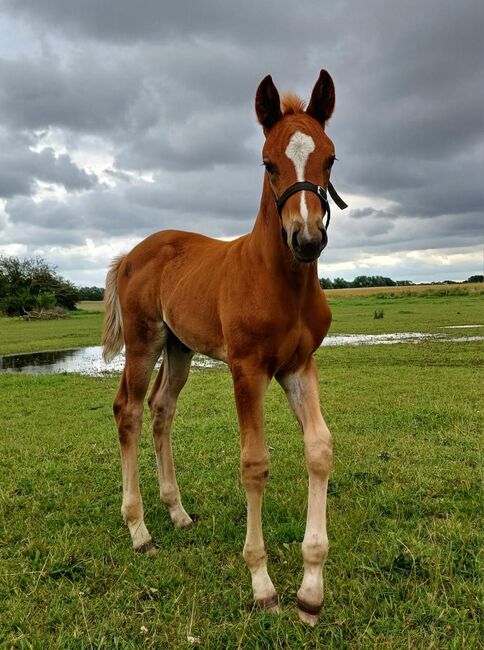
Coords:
pixel 77 330
pixel 91 305
pixel 426 290
pixel 415 313
pixel 351 314
pixel 405 496
pixel 403 569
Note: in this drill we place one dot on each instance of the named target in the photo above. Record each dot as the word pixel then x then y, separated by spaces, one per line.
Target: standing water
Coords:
pixel 89 361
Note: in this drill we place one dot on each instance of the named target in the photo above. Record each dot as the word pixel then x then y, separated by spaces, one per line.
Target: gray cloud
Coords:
pixel 187 201
pixel 22 166
pixel 127 23
pixel 201 141
pixel 167 90
pixel 83 92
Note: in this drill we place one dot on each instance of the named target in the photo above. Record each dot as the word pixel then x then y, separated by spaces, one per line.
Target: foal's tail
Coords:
pixel 113 323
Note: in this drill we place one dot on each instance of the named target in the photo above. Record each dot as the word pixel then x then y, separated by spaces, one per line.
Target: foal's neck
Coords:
pixel 266 241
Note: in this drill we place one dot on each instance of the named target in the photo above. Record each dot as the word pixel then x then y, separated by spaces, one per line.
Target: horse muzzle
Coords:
pixel 307 248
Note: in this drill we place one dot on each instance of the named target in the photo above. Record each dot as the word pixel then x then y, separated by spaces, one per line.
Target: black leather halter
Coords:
pixel 315 189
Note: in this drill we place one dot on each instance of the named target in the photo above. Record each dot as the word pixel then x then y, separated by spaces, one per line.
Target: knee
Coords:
pixel 254 472
pixel 254 555
pixel 315 549
pixel 319 455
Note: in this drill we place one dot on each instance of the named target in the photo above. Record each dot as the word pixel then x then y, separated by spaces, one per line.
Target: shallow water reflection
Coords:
pixel 89 361
pixel 84 361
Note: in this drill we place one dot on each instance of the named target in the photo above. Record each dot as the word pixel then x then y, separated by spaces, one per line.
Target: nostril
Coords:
pixel 295 241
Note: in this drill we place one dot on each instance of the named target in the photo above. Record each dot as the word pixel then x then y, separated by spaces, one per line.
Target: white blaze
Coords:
pixel 298 150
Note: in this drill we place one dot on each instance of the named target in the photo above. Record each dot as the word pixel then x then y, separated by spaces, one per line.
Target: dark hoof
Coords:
pixel 308 614
pixel 308 609
pixel 149 547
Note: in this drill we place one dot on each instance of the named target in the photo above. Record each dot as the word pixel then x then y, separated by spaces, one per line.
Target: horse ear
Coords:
pixel 321 104
pixel 267 104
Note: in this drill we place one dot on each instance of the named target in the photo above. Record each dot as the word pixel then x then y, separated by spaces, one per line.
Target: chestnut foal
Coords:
pixel 254 303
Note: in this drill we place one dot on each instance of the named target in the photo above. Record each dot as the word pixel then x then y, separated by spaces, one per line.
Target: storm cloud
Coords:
pixel 119 119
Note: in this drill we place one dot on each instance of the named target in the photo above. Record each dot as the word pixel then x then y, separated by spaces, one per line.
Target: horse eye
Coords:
pixel 270 169
pixel 331 162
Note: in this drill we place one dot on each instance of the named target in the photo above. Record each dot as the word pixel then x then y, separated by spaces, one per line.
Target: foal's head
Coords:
pixel 297 149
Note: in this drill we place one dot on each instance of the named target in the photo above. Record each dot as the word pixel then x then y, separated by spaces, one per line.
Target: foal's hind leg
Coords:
pixel 171 378
pixel 302 392
pixel 128 412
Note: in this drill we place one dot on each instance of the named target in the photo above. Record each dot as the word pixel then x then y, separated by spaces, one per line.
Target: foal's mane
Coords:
pixel 291 104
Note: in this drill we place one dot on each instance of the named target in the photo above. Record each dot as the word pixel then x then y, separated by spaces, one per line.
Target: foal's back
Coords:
pixel 186 281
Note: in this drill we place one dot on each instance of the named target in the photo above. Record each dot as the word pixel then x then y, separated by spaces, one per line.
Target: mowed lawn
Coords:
pixel 404 506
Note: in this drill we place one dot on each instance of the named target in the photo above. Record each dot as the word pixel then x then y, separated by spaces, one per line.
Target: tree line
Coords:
pixel 382 281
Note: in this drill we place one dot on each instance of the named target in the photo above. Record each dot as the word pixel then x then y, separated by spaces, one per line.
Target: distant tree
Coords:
pixel 91 293
pixel 27 284
pixel 340 283
pixel 475 278
pixel 372 281
pixel 66 295
pixel 404 283
pixel 360 281
pixel 388 282
pixel 325 283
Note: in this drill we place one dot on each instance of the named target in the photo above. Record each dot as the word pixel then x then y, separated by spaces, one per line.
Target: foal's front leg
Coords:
pixel 302 392
pixel 250 388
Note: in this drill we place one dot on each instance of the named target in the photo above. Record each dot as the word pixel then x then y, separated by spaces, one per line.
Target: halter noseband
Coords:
pixel 315 189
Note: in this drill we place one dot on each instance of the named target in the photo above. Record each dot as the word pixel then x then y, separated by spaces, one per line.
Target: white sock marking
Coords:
pixel 298 150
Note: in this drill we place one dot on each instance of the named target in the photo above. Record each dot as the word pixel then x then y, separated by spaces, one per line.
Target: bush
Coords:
pixel 30 284
pixel 45 300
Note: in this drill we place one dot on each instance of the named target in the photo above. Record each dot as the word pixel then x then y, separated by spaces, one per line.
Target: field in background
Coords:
pixel 78 330
pixel 351 314
pixel 414 313
pixel 397 292
pixel 91 305
pixel 419 290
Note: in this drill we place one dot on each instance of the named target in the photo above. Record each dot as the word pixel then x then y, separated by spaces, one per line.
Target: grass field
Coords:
pixel 419 311
pixel 91 305
pixel 413 290
pixel 404 505
pixel 78 330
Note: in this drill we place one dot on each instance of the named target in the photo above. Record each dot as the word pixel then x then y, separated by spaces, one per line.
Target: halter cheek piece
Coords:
pixel 315 189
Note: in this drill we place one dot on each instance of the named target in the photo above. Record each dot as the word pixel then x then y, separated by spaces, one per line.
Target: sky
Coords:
pixel 121 118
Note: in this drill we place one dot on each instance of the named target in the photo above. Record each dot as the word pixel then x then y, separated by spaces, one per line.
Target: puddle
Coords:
pixel 397 337
pixel 89 361
pixel 84 361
